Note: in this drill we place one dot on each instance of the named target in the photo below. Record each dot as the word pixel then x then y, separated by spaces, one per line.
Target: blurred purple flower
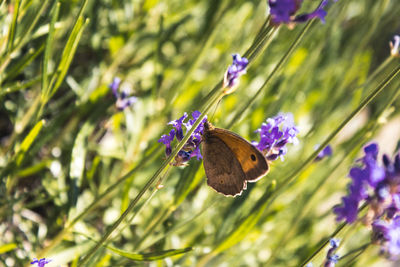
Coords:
pixel 331 257
pixel 283 11
pixel 123 99
pixel 234 71
pixel 192 146
pixel 394 206
pixel 387 233
pixel 348 210
pixel 331 260
pixel 114 86
pixel 395 46
pixel 392 169
pixel 326 152
pixel 369 175
pixel 41 262
pixel 379 186
pixel 166 139
pixel 275 134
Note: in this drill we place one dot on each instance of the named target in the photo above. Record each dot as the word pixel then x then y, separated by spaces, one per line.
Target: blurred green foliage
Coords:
pixel 71 163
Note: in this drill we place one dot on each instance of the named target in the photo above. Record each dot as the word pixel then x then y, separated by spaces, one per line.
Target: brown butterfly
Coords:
pixel 230 161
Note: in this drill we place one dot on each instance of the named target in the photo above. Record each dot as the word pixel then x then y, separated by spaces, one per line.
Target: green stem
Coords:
pixel 359 251
pixel 262 34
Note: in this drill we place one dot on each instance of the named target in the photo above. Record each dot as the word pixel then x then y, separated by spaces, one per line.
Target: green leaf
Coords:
pixel 7 247
pixel 68 55
pixel 49 47
pixel 27 142
pixel 13 27
pixel 17 68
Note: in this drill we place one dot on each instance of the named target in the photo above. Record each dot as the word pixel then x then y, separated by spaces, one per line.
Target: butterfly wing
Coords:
pixel 223 170
pixel 252 161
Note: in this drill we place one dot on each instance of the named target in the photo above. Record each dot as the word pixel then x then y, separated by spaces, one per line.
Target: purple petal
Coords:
pixel 347 211
pixel 114 86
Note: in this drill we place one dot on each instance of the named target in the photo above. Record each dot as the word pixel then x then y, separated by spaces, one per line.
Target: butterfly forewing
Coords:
pixel 223 170
pixel 230 161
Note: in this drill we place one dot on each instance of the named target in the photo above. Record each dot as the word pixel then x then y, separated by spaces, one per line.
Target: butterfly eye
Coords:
pixel 253 157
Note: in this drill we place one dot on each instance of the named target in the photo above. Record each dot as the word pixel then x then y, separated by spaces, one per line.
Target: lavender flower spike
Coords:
pixel 114 86
pixel 275 134
pixel 192 146
pixel 234 71
pixel 379 187
pixel 326 152
pixel 370 174
pixel 166 139
pixel 331 258
pixel 388 234
pixel 40 263
pixel 284 11
pixel 123 100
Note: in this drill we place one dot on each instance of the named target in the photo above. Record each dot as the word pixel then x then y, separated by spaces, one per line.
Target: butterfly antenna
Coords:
pixel 215 109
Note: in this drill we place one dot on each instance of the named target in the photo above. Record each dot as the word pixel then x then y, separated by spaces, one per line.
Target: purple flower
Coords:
pixel 331 258
pixel 326 152
pixel 392 170
pixel 275 134
pixel 368 176
pixel 283 11
pixel 380 231
pixel 192 146
pixel 388 234
pixel 393 246
pixel 394 206
pixel 379 186
pixel 348 210
pixel 123 99
pixel 395 46
pixel 177 124
pixel 234 71
pixel 114 86
pixel 41 262
pixel 166 139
